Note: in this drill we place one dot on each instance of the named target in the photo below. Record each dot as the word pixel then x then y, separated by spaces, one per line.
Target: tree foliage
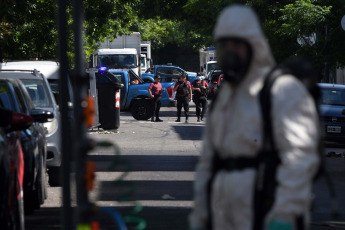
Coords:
pixel 28 27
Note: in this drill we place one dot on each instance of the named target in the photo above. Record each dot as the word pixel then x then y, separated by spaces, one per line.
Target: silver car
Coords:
pixel 42 96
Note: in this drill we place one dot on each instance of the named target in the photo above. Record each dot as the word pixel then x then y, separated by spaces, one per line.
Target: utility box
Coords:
pixel 108 87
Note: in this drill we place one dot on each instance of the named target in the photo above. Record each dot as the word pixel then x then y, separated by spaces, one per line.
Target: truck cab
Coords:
pixel 121 59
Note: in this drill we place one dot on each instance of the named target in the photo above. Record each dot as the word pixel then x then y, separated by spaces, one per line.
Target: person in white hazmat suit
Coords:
pixel 234 129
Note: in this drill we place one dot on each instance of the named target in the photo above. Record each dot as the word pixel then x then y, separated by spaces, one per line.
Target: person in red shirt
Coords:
pixel 200 97
pixel 183 96
pixel 155 91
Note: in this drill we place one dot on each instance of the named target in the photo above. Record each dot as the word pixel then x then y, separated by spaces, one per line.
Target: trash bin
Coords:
pixel 108 87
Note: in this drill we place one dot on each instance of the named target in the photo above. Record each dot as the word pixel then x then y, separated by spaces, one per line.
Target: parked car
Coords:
pixel 17 99
pixel 168 73
pixel 43 89
pixel 11 167
pixel 215 79
pixel 332 112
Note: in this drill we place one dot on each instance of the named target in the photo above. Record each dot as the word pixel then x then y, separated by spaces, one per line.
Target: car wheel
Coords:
pixel 18 212
pixel 16 220
pixel 54 176
pixel 141 109
pixel 29 193
pixel 40 185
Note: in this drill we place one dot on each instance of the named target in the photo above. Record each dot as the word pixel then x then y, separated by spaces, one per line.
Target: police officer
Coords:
pixel 234 136
pixel 155 91
pixel 199 88
pixel 183 96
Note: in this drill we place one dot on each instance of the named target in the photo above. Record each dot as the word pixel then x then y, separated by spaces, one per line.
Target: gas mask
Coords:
pixel 234 66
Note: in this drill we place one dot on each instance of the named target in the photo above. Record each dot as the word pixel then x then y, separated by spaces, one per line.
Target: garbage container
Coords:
pixel 108 87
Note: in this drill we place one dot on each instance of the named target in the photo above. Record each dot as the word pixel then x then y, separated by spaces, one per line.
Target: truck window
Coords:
pixel 142 62
pixel 118 61
pixel 120 77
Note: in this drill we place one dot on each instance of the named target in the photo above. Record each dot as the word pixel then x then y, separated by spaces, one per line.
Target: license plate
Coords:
pixel 333 129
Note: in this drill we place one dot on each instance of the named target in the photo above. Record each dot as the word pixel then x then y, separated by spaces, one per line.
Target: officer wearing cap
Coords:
pixel 155 91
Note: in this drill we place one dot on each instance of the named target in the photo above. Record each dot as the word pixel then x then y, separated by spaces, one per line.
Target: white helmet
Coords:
pixel 237 21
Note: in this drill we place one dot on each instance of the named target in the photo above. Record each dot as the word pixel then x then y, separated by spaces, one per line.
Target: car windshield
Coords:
pixel 6 98
pixel 212 66
pixel 118 61
pixel 38 92
pixel 332 97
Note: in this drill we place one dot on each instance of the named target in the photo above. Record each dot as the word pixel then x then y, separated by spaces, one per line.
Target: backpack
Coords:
pixel 266 183
pixel 267 161
pixel 182 90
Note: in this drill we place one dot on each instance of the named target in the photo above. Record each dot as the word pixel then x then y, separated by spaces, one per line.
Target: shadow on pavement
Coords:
pixel 157 218
pixel 189 132
pixel 146 190
pixel 146 163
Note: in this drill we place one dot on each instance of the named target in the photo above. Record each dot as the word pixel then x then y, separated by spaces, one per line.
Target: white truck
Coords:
pixel 145 61
pixel 121 53
pixel 208 60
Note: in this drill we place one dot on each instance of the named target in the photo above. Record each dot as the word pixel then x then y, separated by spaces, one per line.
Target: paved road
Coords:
pixel 162 159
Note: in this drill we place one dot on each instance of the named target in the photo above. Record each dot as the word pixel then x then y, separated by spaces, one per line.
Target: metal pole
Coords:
pixel 327 80
pixel 81 144
pixel 67 221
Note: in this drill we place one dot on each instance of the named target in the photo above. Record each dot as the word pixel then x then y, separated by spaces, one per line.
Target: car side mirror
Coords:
pixel 41 116
pixel 14 121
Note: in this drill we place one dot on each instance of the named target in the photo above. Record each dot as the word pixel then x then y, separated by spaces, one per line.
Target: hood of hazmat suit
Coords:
pixel 234 129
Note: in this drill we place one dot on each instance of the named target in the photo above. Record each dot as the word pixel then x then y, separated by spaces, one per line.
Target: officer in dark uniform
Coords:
pixel 199 88
pixel 183 96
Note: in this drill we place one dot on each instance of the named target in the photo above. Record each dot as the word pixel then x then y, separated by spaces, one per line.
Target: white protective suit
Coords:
pixel 234 128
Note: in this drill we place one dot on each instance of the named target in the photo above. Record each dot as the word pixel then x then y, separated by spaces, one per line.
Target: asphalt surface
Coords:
pixel 161 158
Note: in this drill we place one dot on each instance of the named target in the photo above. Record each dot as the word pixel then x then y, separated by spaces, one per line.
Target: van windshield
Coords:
pixel 118 61
pixel 38 92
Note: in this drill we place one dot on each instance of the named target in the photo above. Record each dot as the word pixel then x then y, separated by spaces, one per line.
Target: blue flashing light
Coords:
pixel 102 69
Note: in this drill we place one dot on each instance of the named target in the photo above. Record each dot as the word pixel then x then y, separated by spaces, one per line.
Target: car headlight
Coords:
pixel 51 126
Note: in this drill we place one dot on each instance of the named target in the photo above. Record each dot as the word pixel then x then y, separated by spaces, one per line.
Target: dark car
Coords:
pixel 215 80
pixel 32 140
pixel 11 167
pixel 332 111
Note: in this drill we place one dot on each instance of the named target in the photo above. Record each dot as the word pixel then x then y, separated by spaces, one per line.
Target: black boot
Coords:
pixel 186 119
pixel 153 119
pixel 178 119
pixel 158 120
pixel 198 119
pixel 202 118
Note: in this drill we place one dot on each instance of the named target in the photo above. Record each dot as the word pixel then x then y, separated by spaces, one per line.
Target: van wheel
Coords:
pixel 141 109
